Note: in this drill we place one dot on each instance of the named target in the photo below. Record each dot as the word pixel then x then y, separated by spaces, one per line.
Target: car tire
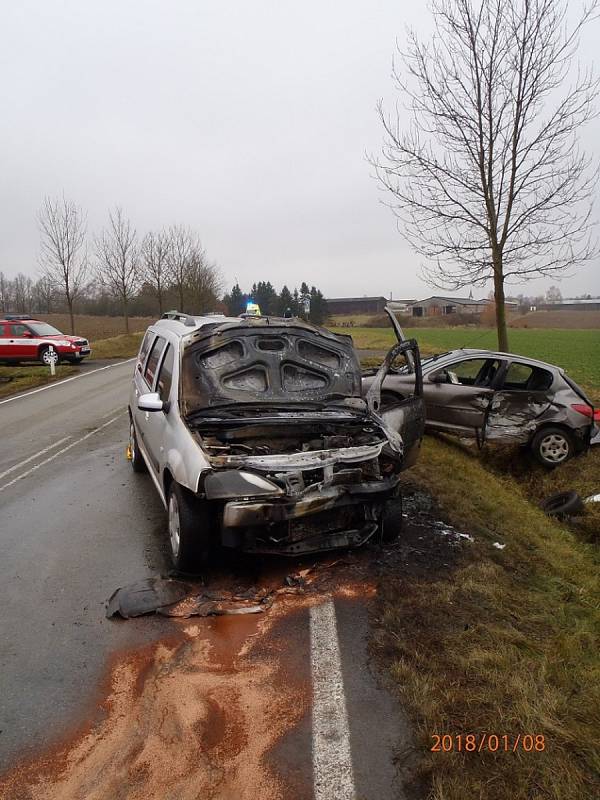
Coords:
pixel 562 504
pixel 45 358
pixel 137 459
pixel 391 520
pixel 189 530
pixel 552 446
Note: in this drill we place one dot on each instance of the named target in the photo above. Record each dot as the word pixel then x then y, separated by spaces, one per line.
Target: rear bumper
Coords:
pixel 321 519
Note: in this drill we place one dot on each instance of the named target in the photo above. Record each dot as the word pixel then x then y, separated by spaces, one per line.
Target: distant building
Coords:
pixel 441 306
pixel 572 304
pixel 355 305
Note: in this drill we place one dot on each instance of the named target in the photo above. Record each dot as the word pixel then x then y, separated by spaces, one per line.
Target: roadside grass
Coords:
pixel 577 351
pixel 125 346
pixel 28 377
pixel 506 644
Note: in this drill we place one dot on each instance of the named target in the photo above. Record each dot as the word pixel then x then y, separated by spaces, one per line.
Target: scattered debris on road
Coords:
pixel 169 597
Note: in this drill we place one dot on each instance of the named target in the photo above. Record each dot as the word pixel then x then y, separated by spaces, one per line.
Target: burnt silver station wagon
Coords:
pixel 499 397
pixel 257 435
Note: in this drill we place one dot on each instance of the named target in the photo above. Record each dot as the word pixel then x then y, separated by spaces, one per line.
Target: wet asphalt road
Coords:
pixel 76 523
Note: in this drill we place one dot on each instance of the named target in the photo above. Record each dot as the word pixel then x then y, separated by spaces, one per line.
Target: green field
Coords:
pixel 577 351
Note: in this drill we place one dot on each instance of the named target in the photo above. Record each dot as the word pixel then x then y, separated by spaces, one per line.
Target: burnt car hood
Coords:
pixel 279 364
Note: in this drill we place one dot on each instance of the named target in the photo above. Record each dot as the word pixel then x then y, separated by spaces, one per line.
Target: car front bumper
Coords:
pixel 323 518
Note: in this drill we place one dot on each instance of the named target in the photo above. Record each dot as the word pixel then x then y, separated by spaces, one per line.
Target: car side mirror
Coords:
pixel 150 402
pixel 440 377
pixel 26 334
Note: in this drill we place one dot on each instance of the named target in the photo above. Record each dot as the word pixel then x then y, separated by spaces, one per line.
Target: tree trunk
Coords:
pixel 500 306
pixel 160 303
pixel 126 315
pixel 71 317
pixel 180 297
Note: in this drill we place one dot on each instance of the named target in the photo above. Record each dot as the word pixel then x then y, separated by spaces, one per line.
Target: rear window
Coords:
pixel 153 359
pixel 527 377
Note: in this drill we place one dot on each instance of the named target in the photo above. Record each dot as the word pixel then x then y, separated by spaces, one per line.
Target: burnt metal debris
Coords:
pixel 170 597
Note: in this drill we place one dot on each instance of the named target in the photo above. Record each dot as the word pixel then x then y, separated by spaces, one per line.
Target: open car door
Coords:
pixel 407 416
pixel 522 397
pixel 400 337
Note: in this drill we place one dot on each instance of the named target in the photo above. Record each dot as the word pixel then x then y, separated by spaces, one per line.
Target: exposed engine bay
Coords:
pixel 299 460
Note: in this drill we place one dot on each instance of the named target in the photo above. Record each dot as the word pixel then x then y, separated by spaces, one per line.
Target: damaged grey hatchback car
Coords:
pixel 499 397
pixel 257 435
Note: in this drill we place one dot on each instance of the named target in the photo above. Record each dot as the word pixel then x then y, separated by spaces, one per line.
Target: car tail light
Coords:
pixel 587 411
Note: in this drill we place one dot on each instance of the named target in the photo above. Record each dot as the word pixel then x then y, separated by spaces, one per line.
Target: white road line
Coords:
pixel 59 453
pixel 33 457
pixel 66 380
pixel 331 753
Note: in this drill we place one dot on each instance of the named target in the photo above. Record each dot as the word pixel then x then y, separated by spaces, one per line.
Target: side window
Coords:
pixel 474 372
pixel 4 331
pixel 153 360
pixel 18 330
pixel 526 377
pixel 165 376
pixel 146 342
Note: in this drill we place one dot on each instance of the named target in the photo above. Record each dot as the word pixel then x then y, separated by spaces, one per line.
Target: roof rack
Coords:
pixel 17 316
pixel 179 316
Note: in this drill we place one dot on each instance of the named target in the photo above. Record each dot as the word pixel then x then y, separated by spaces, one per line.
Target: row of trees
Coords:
pixel 306 302
pixel 118 264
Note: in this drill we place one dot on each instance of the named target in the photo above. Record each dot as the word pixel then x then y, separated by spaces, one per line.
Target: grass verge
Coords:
pixel 28 377
pixel 575 350
pixel 506 643
pixel 125 346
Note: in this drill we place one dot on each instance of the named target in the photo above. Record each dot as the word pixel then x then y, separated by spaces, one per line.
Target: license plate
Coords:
pixel 85 350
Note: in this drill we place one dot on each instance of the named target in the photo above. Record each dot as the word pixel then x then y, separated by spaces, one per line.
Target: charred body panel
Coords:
pixel 251 362
pixel 304 480
pixel 264 437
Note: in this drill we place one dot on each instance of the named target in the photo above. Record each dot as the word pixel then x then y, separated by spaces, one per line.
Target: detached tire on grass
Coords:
pixel 189 530
pixel 562 504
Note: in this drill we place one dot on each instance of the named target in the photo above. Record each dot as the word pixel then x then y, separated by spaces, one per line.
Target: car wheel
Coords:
pixel 391 520
pixel 189 530
pixel 552 446
pixel 137 459
pixel 48 356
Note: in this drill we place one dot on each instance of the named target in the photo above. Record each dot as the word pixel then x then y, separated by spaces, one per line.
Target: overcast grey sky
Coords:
pixel 247 120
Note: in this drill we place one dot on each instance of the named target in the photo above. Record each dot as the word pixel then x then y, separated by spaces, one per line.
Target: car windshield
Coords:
pixel 43 329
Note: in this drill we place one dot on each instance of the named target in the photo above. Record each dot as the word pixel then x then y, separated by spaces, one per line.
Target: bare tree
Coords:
pixel 22 293
pixel 489 181
pixel 203 283
pixel 184 250
pixel 44 291
pixel 154 253
pixel 63 258
pixel 5 293
pixel 117 265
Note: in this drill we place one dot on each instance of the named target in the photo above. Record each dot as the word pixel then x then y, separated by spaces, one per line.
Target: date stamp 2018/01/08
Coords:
pixel 487 742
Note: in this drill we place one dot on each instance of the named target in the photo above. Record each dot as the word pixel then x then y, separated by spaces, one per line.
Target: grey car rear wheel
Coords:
pixel 552 446
pixel 189 530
